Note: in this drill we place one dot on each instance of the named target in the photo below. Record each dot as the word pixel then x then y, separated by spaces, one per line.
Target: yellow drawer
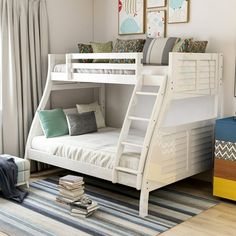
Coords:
pixel 224 188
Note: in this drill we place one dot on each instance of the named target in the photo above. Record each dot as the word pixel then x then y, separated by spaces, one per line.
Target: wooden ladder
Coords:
pixel 122 143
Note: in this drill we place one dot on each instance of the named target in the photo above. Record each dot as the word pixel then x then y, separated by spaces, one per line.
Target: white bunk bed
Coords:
pixel 178 139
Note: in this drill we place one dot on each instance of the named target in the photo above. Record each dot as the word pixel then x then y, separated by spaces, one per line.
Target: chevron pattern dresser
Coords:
pixel 225 159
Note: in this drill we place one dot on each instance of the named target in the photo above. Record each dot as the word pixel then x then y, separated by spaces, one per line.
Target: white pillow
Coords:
pixel 97 110
pixel 70 111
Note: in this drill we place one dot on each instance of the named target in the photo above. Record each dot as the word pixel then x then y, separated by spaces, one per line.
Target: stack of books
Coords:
pixel 71 189
pixel 83 208
pixel 71 196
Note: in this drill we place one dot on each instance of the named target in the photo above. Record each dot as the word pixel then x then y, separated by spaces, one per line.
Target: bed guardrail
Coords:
pixel 106 67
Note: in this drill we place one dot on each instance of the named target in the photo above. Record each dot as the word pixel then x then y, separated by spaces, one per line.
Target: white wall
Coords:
pixel 70 22
pixel 210 20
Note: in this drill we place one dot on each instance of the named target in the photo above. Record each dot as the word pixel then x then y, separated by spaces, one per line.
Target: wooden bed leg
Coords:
pixel 143 202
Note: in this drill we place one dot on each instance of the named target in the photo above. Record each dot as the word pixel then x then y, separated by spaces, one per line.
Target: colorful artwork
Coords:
pixel 131 17
pixel 178 11
pixel 156 3
pixel 156 21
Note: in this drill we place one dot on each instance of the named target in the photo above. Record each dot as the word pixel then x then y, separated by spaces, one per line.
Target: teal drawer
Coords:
pixel 225 130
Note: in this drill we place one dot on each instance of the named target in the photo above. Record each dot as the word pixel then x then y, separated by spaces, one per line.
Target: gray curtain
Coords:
pixel 24 46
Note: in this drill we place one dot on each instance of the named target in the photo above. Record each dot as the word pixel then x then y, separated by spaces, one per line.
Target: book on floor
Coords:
pixel 79 188
pixel 71 179
pixel 84 211
pixel 71 186
pixel 66 199
pixel 71 194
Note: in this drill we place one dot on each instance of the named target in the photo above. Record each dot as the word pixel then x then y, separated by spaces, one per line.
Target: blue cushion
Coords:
pixel 225 130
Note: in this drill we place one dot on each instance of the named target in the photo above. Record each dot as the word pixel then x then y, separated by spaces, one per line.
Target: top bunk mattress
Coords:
pixel 97 149
pixel 61 68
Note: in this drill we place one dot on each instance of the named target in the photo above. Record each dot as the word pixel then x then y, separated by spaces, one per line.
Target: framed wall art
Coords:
pixel 131 17
pixel 178 11
pixel 156 24
pixel 156 3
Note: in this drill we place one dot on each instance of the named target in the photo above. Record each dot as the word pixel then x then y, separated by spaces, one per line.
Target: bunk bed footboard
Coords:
pixel 182 142
pixel 177 153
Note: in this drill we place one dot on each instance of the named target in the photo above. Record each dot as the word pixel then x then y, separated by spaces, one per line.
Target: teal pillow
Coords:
pixel 53 123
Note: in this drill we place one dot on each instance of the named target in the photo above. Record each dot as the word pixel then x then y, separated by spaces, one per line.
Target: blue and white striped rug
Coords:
pixel 118 213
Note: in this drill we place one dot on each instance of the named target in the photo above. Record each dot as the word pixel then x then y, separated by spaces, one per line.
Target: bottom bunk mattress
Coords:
pixel 95 148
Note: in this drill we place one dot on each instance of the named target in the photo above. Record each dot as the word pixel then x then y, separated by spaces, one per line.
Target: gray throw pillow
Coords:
pixel 82 123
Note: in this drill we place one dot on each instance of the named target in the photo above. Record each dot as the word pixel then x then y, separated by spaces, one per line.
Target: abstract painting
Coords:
pixel 156 3
pixel 156 24
pixel 131 17
pixel 178 11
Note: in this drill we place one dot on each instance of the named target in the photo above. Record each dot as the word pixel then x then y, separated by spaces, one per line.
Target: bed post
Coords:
pixel 102 97
pixel 35 126
pixel 144 197
pixel 69 71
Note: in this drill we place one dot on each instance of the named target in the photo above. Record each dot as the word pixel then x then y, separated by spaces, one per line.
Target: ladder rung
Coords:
pixel 132 144
pixel 127 170
pixel 138 118
pixel 146 94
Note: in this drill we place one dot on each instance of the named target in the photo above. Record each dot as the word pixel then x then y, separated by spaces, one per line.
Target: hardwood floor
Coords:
pixel 217 221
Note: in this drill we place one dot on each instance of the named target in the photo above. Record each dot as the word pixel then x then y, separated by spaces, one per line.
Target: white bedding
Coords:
pixel 62 69
pixel 95 148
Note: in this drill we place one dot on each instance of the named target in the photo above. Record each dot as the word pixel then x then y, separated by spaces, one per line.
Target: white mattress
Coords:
pixel 95 148
pixel 62 69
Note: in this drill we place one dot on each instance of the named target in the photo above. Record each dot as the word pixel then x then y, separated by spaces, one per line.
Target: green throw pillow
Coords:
pixel 101 48
pixel 53 123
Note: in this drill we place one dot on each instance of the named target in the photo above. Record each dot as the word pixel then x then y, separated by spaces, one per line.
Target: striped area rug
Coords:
pixel 118 213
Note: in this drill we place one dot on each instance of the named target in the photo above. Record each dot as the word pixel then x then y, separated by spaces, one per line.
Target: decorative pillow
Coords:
pixel 53 123
pixel 85 48
pixel 197 46
pixel 156 50
pixel 101 48
pixel 97 110
pixel 82 123
pixel 134 45
pixel 182 45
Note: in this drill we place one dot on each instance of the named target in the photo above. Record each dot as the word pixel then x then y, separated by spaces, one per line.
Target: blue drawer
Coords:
pixel 225 130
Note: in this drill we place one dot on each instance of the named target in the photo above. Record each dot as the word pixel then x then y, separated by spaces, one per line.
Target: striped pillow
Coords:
pixel 156 51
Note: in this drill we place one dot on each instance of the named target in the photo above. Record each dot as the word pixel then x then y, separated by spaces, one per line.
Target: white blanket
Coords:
pixel 96 148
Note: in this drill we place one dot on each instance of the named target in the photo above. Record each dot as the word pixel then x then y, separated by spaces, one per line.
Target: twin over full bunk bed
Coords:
pixel 177 141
